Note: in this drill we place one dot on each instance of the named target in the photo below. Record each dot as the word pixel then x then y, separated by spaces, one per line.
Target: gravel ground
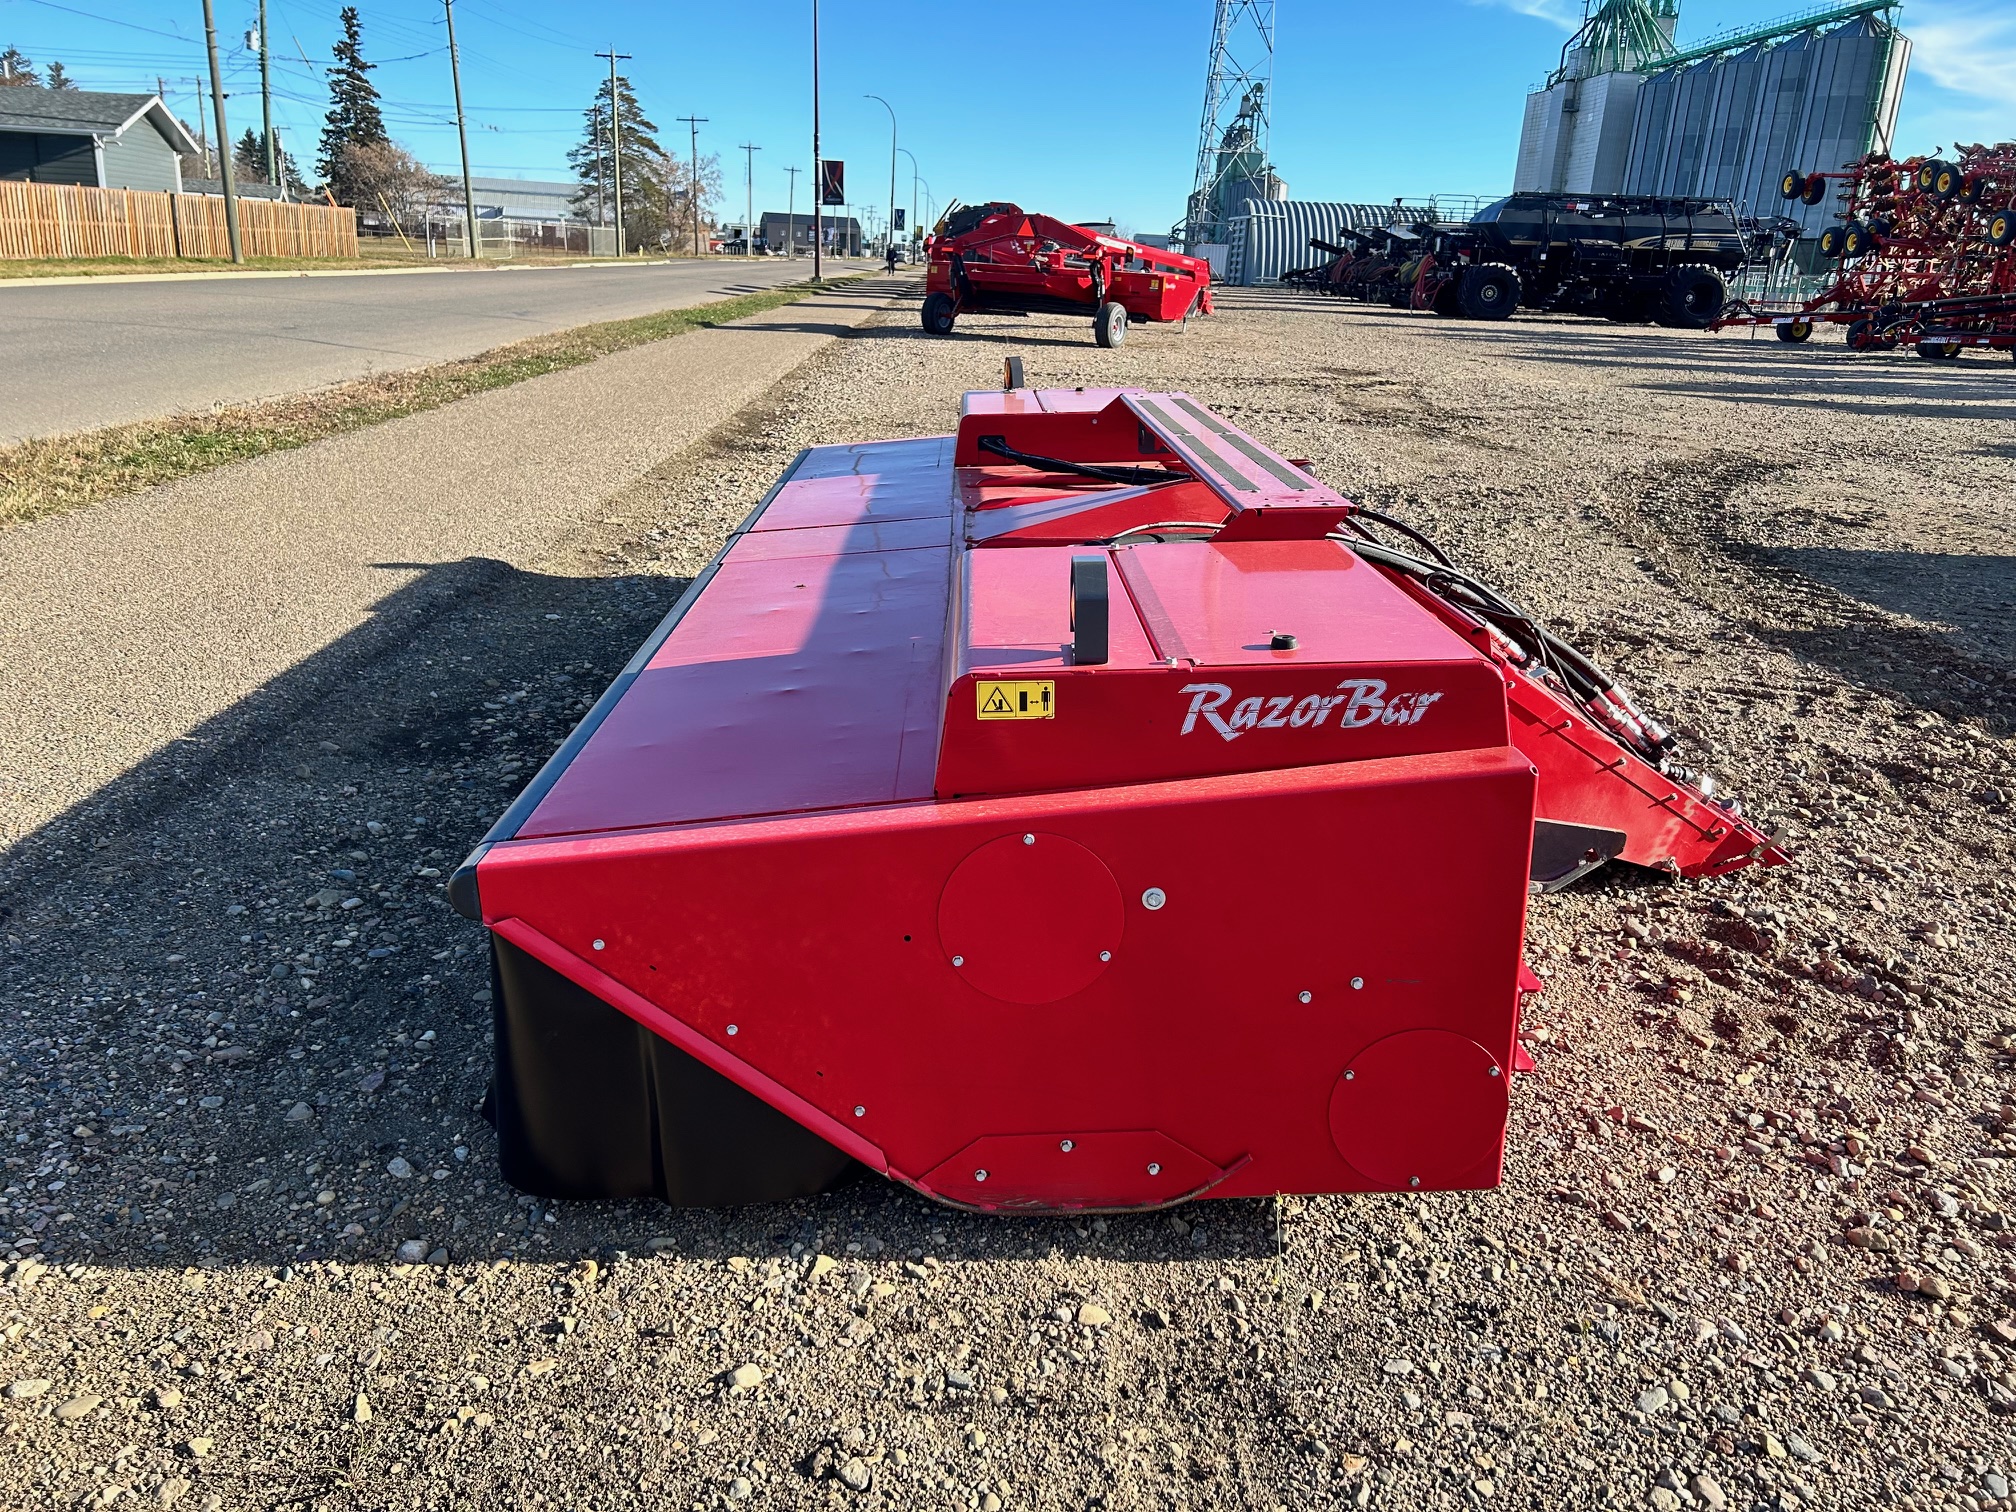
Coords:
pixel 1755 1245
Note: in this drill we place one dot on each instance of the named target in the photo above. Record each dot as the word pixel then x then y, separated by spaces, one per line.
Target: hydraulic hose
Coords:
pixel 1134 477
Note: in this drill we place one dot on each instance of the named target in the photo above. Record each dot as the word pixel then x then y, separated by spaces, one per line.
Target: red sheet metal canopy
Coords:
pixel 1087 810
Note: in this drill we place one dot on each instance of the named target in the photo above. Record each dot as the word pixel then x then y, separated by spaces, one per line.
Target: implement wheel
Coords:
pixel 1831 240
pixel 1939 351
pixel 1792 185
pixel 2002 228
pixel 1814 192
pixel 1488 292
pixel 1795 330
pixel 1692 298
pixel 940 310
pixel 1109 326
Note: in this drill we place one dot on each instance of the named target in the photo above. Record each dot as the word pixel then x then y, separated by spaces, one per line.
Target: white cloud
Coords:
pixel 1562 13
pixel 1967 48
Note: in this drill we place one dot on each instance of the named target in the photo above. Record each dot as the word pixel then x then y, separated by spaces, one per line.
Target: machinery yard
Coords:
pixel 1756 1239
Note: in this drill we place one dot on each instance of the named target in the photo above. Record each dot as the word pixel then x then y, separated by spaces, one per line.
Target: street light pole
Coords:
pixel 749 151
pixel 916 226
pixel 791 215
pixel 892 159
pixel 818 164
pixel 266 98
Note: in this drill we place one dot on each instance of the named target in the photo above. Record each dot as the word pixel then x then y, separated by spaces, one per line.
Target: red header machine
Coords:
pixel 998 259
pixel 1088 810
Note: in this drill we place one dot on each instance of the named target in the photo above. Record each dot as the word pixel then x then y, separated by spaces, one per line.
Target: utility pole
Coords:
pixel 892 165
pixel 749 151
pixel 791 217
pixel 818 164
pixel 695 123
pixel 616 140
pixel 223 136
pixel 461 129
pixel 266 100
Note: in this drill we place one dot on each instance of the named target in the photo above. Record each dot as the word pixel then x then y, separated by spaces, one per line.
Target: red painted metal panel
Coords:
pixel 1017 606
pixel 807 951
pixel 853 485
pixel 843 540
pixel 796 684
pixel 1217 605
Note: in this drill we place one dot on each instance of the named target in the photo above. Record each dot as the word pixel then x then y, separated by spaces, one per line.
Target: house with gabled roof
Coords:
pixel 99 141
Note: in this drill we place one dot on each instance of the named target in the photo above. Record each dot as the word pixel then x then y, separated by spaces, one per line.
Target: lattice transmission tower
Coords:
pixel 1232 142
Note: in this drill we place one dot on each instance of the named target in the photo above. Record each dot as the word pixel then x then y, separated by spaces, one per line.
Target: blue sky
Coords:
pixel 1372 100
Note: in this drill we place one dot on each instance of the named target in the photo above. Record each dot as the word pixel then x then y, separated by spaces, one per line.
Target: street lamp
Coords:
pixel 892 146
pixel 916 226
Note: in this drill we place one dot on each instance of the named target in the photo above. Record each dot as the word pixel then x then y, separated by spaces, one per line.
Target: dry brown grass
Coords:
pixel 51 474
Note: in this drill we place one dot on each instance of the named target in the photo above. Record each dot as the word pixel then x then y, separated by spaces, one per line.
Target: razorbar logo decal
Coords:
pixel 1364 701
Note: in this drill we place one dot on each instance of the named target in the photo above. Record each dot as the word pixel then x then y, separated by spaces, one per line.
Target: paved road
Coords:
pixel 133 622
pixel 84 355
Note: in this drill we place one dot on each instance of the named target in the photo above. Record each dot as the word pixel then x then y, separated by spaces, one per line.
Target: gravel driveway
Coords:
pixel 1755 1245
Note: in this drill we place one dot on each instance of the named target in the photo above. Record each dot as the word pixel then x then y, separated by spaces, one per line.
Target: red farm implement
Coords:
pixel 1088 810
pixel 1924 255
pixel 996 259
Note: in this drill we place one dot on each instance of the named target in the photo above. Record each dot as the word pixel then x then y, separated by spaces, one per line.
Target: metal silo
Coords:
pixel 1726 119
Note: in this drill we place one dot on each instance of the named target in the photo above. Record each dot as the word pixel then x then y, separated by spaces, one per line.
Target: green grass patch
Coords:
pixel 51 474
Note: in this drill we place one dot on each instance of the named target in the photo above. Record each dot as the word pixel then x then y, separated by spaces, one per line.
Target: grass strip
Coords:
pixel 50 474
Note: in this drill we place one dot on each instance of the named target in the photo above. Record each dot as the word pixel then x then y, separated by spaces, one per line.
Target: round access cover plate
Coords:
pixel 1425 1107
pixel 1027 918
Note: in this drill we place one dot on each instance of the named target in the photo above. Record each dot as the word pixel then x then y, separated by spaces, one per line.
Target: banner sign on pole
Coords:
pixel 832 181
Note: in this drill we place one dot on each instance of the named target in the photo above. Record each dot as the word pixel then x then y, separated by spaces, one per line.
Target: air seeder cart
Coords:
pixel 1090 809
pixel 997 259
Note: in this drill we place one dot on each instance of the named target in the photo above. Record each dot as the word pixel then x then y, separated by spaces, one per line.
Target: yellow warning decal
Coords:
pixel 1015 700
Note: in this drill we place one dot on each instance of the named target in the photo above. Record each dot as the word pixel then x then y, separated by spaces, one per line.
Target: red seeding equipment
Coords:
pixel 997 259
pixel 1087 810
pixel 1925 254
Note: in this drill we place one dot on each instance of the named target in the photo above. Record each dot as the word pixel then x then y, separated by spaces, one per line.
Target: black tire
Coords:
pixel 1927 171
pixel 940 311
pixel 1692 298
pixel 2002 228
pixel 1939 351
pixel 1857 240
pixel 1488 292
pixel 1795 330
pixel 1864 337
pixel 1814 192
pixel 1831 240
pixel 1792 186
pixel 1947 182
pixel 1109 326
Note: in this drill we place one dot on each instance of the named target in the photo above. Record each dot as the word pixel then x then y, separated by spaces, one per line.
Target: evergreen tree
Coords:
pixel 16 67
pixel 647 173
pixel 249 157
pixel 56 78
pixel 354 119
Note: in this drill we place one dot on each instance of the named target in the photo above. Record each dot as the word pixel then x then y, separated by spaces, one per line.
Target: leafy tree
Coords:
pixel 647 171
pixel 16 67
pixel 354 119
pixel 386 171
pixel 57 78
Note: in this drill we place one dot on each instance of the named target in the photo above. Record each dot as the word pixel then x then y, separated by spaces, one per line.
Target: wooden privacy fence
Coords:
pixel 61 220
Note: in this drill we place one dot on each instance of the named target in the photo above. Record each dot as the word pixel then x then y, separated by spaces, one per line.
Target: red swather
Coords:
pixel 998 258
pixel 1082 811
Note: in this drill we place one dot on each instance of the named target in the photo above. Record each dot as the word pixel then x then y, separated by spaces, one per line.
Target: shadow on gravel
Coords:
pixel 246 1027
